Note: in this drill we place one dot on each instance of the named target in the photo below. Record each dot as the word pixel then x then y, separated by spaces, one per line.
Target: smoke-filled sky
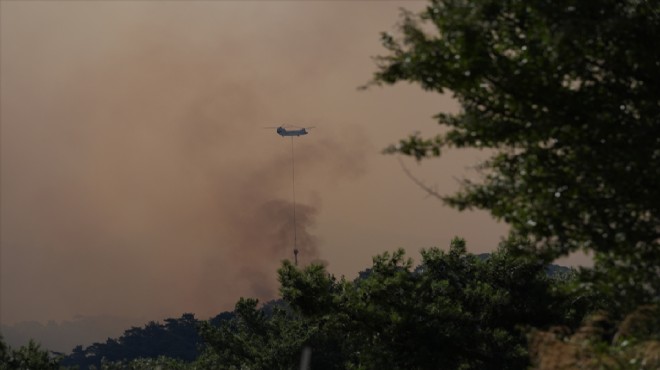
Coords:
pixel 137 179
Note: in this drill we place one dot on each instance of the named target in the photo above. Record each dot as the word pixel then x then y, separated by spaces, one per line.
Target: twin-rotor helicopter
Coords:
pixel 282 131
pixel 297 131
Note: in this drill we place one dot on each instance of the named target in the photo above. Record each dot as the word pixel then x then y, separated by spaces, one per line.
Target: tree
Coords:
pixel 160 362
pixel 29 356
pixel 254 340
pixel 566 95
pixel 455 311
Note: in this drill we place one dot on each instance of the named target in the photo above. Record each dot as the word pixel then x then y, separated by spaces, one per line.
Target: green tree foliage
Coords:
pixel 160 362
pixel 566 94
pixel 254 339
pixel 455 311
pixel 27 357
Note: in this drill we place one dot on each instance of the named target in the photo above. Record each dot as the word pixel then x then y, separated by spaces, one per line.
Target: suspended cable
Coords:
pixel 293 180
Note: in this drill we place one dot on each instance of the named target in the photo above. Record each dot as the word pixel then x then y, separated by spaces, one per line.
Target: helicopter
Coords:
pixel 284 132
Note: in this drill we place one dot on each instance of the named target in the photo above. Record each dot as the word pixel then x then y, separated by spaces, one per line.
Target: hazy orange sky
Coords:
pixel 137 179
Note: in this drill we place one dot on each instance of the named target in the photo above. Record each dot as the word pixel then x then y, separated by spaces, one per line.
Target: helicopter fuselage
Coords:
pixel 284 132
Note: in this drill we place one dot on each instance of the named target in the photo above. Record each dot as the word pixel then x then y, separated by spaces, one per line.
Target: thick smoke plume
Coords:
pixel 137 179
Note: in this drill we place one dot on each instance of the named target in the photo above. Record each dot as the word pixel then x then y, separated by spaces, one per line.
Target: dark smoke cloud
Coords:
pixel 272 229
pixel 137 179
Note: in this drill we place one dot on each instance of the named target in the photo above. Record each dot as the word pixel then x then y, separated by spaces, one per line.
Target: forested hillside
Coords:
pixel 454 310
pixel 490 294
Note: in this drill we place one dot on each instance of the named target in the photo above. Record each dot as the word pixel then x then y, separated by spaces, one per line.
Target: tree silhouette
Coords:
pixel 566 95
